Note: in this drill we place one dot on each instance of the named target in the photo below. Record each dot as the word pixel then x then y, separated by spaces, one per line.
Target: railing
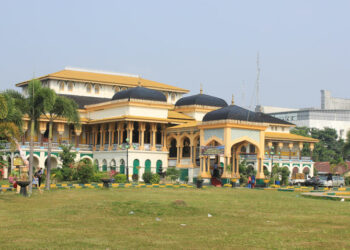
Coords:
pixel 106 147
pixel 186 161
pixel 172 162
pixel 147 147
pixel 159 147
pixel 136 146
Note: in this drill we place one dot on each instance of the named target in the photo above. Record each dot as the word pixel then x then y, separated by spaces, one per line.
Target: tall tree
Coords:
pixel 54 107
pixel 32 107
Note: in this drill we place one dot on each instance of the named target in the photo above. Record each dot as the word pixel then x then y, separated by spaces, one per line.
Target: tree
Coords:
pixel 32 107
pixel 346 148
pixel 67 157
pixel 10 119
pixel 329 148
pixel 54 107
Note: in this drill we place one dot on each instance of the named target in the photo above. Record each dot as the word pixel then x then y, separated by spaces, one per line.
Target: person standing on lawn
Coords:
pixel 249 182
pixel 253 181
pixel 38 175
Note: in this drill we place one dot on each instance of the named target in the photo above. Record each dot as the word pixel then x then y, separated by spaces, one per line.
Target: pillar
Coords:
pixel 312 146
pixel 153 136
pixel 42 129
pixel 130 129
pixel 102 137
pixel 110 135
pixel 301 145
pixel 142 129
pixel 24 128
pixel 77 131
pixel 290 146
pixel 280 146
pixel 164 148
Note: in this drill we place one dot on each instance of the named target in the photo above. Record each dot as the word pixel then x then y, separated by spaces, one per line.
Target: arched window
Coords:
pixel 97 89
pixel 70 86
pixel 186 150
pixel 136 165
pixel 147 166
pixel 104 165
pixel 159 167
pixel 88 88
pixel 173 149
pixel 122 166
pixel 116 89
pixel 61 86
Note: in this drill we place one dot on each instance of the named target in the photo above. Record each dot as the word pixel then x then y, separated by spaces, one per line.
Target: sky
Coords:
pixel 303 45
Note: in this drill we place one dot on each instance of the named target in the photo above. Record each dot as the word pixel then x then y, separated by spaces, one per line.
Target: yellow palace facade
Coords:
pixel 131 122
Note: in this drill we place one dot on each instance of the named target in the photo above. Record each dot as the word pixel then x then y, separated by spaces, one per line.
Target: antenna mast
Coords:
pixel 257 79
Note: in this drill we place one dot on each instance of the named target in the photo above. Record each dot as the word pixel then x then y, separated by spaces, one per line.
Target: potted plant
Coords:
pixel 233 182
pixel 106 179
pixel 199 181
pixel 266 181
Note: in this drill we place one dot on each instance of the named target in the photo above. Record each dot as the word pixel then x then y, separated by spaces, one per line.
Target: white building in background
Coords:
pixel 334 113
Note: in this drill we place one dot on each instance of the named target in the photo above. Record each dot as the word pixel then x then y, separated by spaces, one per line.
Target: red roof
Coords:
pixel 325 167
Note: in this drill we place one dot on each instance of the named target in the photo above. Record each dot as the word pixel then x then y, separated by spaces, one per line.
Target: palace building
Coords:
pixel 143 125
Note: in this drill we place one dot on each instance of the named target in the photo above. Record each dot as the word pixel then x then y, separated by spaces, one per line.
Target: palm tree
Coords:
pixel 31 106
pixel 54 107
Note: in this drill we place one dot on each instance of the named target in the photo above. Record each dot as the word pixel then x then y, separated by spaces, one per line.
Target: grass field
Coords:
pixel 241 218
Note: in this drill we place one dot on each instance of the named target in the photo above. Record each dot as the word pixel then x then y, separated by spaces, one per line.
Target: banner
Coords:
pixel 212 150
pixel 17 161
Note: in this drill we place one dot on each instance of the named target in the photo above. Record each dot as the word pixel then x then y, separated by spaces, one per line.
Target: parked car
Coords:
pixel 332 181
pixel 314 181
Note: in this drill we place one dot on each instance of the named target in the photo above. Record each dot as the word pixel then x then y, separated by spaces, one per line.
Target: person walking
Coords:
pixel 249 182
pixel 253 181
pixel 38 174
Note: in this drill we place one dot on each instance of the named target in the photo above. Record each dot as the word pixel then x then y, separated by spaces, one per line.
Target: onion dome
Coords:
pixel 140 93
pixel 201 99
pixel 234 112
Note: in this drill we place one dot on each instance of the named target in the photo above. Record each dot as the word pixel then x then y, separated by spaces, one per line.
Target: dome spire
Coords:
pixel 139 81
pixel 233 100
pixel 201 89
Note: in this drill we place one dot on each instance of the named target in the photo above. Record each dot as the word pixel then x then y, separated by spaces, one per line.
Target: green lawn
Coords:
pixel 241 218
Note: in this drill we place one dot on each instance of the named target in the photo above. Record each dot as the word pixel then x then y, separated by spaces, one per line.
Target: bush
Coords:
pixel 85 172
pixel 173 173
pixel 147 176
pixel 120 178
pixel 155 179
pixel 347 181
pixel 67 173
pixel 98 176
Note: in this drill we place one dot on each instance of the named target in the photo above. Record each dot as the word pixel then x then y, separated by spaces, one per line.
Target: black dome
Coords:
pixel 201 99
pixel 234 112
pixel 140 93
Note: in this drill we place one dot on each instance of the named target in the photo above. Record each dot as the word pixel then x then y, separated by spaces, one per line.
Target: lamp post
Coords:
pixel 127 146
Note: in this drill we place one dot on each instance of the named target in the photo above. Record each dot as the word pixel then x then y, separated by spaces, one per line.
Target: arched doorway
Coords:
pixel 159 167
pixel 147 166
pixel 306 171
pixel 112 165
pixel 136 164
pixel 104 165
pixel 53 162
pixel 122 167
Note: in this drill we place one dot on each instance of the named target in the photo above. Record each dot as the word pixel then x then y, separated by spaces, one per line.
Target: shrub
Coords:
pixel 67 173
pixel 97 176
pixel 347 180
pixel 173 173
pixel 155 179
pixel 120 178
pixel 85 172
pixel 147 176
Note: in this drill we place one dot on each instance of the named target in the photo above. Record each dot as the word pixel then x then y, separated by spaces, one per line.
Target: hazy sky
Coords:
pixel 303 45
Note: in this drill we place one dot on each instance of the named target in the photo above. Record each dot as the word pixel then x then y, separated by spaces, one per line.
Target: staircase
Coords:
pixel 216 182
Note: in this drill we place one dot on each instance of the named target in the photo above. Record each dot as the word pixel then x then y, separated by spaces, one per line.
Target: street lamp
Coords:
pixel 127 146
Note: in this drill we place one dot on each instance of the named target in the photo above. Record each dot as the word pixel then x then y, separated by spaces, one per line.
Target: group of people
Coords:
pixel 38 177
pixel 251 181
